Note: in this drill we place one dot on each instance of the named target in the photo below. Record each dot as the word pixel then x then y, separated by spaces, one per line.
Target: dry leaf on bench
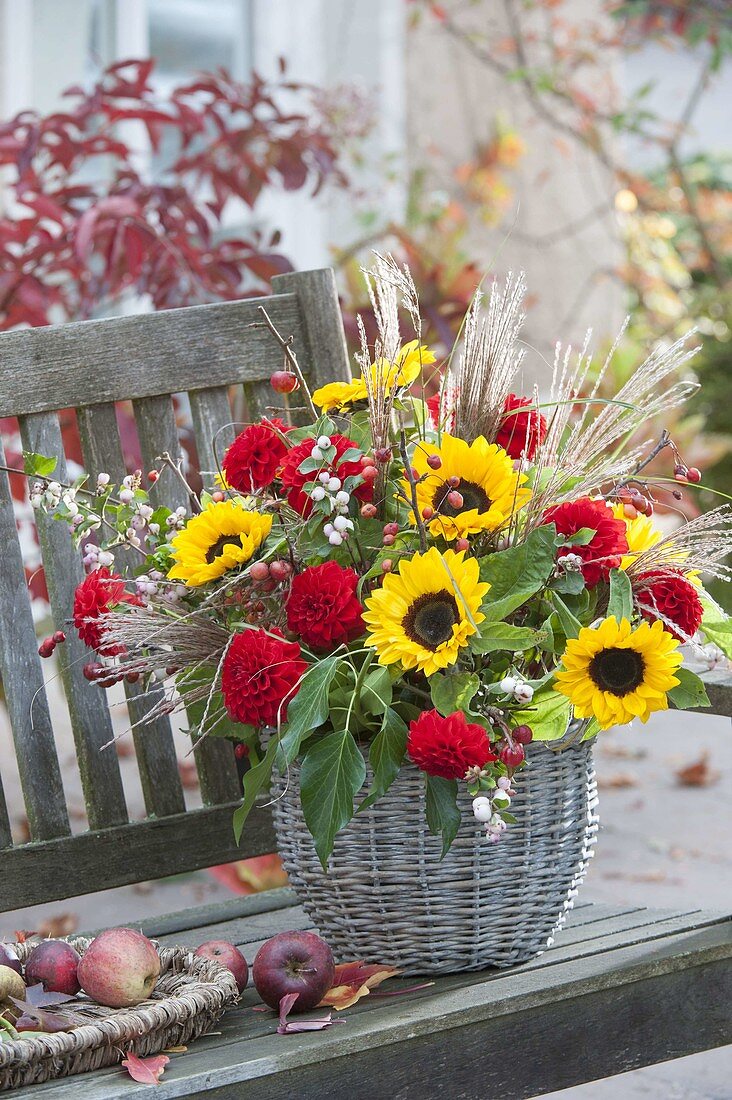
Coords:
pixel 698 774
pixel 354 980
pixel 147 1071
pixel 292 1027
pixel 61 924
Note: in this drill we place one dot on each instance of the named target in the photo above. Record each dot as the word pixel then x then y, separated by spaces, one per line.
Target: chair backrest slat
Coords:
pixel 154 746
pixel 212 427
pixel 25 694
pixel 201 351
pixel 90 719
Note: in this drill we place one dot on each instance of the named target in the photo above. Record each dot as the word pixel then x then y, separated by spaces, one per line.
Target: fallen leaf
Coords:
pixel 175 1050
pixel 146 1071
pixel 38 1019
pixel 60 924
pixel 22 935
pixel 354 980
pixel 37 996
pixel 617 781
pixel 623 752
pixel 251 876
pixel 288 1027
pixel 697 774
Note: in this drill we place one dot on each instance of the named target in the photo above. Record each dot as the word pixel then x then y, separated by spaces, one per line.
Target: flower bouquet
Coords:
pixel 412 615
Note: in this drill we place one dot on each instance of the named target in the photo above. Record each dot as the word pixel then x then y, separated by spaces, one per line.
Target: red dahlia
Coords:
pixel 322 606
pixel 439 415
pixel 522 432
pixel 261 674
pixel 447 746
pixel 97 594
pixel 293 480
pixel 255 456
pixel 667 595
pixel 607 546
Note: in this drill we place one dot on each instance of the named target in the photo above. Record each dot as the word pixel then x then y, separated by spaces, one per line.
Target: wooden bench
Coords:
pixel 619 989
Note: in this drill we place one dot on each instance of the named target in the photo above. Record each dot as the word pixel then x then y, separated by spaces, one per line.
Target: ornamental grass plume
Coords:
pixel 431 584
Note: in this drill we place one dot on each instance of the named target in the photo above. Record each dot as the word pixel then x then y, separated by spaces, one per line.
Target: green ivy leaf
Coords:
pixel 548 715
pixel 569 624
pixel 385 756
pixel 518 573
pixel 453 691
pixel 717 628
pixel 690 692
pixel 333 771
pixel 582 537
pixel 620 603
pixel 443 815
pixel 254 780
pixel 376 691
pixel 569 584
pixel 308 709
pixel 493 637
pixel 37 465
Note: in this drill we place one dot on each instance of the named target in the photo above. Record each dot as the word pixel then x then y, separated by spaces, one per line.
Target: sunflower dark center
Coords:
pixel 618 671
pixel 474 498
pixel 220 545
pixel 430 619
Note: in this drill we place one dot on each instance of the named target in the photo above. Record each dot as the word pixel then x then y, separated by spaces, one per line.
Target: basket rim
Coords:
pixel 217 990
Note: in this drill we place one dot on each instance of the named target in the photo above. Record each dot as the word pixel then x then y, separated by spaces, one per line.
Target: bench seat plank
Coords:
pixel 615 993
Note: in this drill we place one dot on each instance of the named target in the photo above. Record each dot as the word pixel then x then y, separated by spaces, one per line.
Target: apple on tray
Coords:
pixel 54 964
pixel 229 956
pixel 294 962
pixel 119 968
pixel 9 957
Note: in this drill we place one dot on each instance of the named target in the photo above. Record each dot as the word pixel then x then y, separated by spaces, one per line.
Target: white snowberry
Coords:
pixel 335 539
pixel 318 493
pixel 523 693
pixel 482 810
pixel 334 483
pixel 342 497
pixel 324 477
pixel 328 529
pixel 323 441
pixel 508 684
pixel 126 496
pixel 317 454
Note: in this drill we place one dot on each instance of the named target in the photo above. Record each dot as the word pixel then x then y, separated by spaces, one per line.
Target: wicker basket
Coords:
pixel 190 997
pixel 389 898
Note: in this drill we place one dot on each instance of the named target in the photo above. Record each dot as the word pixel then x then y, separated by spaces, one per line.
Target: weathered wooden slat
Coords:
pixel 157 431
pixel 6 836
pixel 198 916
pixel 25 694
pixel 719 690
pixel 212 427
pixel 141 356
pixel 90 721
pixel 129 853
pixel 582 1019
pixel 154 748
pixel 325 355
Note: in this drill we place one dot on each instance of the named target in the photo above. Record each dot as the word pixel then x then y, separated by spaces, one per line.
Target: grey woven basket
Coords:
pixel 389 898
pixel 190 997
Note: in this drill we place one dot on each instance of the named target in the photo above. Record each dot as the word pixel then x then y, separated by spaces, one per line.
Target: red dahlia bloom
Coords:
pixel 322 606
pixel 447 746
pixel 608 544
pixel 521 432
pixel 260 676
pixel 293 480
pixel 667 595
pixel 97 594
pixel 255 456
pixel 440 416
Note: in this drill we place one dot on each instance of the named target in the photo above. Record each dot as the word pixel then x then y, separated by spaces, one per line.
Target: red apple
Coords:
pixel 119 968
pixel 294 962
pixel 229 956
pixel 284 381
pixel 9 957
pixel 54 965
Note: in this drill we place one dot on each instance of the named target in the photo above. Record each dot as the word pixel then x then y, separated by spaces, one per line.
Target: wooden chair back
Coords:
pixel 90 365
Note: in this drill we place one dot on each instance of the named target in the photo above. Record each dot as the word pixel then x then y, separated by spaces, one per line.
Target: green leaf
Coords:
pixel 333 771
pixel 376 691
pixel 582 537
pixel 547 714
pixel 308 709
pixel 690 692
pixel 592 730
pixel 385 756
pixel 453 691
pixel 492 637
pixel 517 573
pixel 254 780
pixel 443 815
pixel 620 603
pixel 38 465
pixel 717 628
pixel 569 624
pixel 569 584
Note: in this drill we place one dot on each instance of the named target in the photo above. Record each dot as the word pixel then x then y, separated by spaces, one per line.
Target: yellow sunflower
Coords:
pixel 221 537
pixel 614 673
pixel 641 533
pixel 341 397
pixel 426 612
pixel 489 486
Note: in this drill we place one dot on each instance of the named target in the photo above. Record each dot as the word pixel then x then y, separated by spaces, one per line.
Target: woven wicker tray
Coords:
pixel 190 997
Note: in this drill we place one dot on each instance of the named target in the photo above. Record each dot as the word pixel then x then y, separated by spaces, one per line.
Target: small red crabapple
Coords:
pixel 92 670
pixel 58 637
pixel 428 512
pixel 455 499
pixel 387 565
pixel 369 473
pixel 368 511
pixel 259 571
pixel 389 540
pixel 391 528
pixel 366 460
pixel 512 755
pixel 46 647
pixel 462 544
pixel 153 475
pixel 416 476
pixel 280 570
pixel 694 474
pixel 217 497
pixel 283 381
pixel 383 454
pixel 523 734
pixel 434 462
pixel 241 750
pixel 453 482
